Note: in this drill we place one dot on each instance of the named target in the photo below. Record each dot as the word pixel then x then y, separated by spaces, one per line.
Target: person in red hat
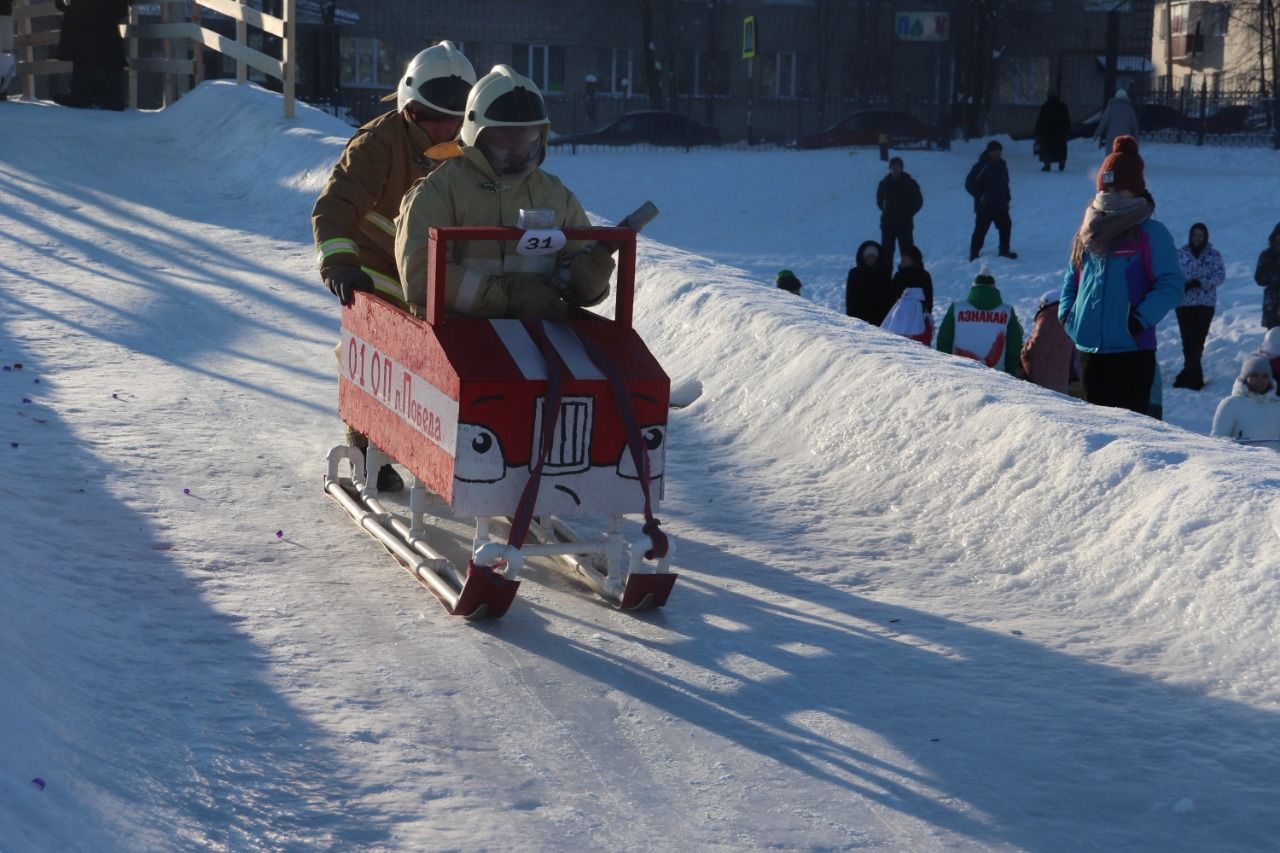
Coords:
pixel 1122 280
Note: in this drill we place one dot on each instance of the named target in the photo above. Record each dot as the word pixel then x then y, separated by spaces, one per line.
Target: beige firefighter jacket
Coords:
pixel 353 219
pixel 491 279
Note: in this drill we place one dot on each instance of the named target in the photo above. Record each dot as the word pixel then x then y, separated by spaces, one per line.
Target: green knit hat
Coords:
pixel 985 277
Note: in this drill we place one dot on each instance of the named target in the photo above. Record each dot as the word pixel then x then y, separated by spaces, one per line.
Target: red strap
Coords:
pixel 639 453
pixel 550 416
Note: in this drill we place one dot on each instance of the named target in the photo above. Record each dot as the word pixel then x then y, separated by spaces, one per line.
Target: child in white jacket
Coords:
pixel 1252 412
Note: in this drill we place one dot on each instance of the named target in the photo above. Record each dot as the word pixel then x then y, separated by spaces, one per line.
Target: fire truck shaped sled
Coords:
pixel 527 422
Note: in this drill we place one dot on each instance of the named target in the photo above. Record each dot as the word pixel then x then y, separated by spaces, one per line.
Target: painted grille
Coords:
pixel 570 450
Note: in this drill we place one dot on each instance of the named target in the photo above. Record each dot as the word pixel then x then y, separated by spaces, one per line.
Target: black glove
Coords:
pixel 343 282
pixel 1195 282
pixel 1135 325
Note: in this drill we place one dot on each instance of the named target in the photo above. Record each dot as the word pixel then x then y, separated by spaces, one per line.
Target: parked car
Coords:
pixel 1151 118
pixel 646 127
pixel 864 127
pixel 1235 118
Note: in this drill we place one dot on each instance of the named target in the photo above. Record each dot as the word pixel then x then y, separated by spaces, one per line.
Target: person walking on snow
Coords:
pixel 1267 275
pixel 1204 271
pixel 504 142
pixel 983 327
pixel 352 220
pixel 899 199
pixel 988 183
pixel 1252 412
pixel 1053 127
pixel 1048 357
pixel 1118 119
pixel 1123 278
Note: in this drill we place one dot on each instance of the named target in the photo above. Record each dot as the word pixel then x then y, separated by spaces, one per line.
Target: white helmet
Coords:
pixel 438 78
pixel 503 98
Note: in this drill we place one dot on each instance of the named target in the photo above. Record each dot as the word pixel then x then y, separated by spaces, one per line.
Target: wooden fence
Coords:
pixel 183 42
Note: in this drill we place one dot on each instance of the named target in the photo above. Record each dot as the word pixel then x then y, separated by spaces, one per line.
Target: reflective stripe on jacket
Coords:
pixel 353 219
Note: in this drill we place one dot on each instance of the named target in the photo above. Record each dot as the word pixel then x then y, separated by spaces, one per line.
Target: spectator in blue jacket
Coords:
pixel 1203 270
pixel 1123 279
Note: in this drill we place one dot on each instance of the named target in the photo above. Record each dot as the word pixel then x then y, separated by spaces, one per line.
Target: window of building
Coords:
pixel 703 73
pixel 1023 80
pixel 541 63
pixel 615 71
pixel 366 61
pixel 778 75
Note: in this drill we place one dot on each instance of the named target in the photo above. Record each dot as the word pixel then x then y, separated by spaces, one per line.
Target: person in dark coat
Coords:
pixel 1267 275
pixel 1053 126
pixel 988 183
pixel 868 291
pixel 911 273
pixel 91 40
pixel 899 199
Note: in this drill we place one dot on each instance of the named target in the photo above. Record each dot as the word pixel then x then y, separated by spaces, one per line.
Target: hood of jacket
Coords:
pixel 984 297
pixel 1239 389
pixel 858 259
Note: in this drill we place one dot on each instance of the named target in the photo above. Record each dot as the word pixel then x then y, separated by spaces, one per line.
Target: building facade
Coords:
pixel 763 69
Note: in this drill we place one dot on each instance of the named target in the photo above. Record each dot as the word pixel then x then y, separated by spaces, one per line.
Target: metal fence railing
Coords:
pixel 1185 117
pixel 1206 117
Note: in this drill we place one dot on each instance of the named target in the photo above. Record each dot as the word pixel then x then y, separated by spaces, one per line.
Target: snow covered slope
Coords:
pixel 922 606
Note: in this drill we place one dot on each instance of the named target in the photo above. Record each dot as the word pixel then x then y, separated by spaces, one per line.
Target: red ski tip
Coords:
pixel 647 591
pixel 485 594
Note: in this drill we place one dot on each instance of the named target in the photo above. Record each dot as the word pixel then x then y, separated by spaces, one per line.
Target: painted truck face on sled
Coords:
pixel 461 404
pixel 589 467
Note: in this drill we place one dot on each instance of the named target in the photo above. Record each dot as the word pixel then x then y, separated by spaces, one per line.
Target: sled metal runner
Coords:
pixel 514 425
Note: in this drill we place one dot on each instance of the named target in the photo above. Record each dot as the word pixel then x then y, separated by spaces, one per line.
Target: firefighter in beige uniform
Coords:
pixel 504 137
pixel 352 220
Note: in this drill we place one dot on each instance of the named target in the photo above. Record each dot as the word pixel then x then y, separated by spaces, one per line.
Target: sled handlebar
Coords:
pixel 437 258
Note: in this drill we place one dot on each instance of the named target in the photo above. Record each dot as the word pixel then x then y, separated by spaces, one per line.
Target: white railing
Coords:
pixel 182 41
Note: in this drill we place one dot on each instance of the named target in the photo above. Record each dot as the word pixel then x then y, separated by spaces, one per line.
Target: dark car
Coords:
pixel 865 127
pixel 648 127
pixel 1236 118
pixel 1151 118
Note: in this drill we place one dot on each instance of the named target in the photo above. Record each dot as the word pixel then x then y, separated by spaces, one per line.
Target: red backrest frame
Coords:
pixel 437 257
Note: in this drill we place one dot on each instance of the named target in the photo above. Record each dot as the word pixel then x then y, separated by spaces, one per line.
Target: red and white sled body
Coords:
pixel 459 401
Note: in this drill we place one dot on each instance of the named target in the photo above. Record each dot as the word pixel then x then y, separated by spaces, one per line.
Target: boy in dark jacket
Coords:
pixel 988 183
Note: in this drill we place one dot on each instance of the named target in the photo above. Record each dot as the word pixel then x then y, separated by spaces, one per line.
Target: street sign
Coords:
pixel 923 26
pixel 749 37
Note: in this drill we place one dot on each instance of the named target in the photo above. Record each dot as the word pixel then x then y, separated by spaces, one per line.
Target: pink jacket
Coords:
pixel 1048 354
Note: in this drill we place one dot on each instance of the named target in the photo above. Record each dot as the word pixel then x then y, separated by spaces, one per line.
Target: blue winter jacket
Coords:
pixel 1139 273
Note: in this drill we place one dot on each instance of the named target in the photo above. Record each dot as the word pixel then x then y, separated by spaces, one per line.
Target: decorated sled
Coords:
pixel 524 422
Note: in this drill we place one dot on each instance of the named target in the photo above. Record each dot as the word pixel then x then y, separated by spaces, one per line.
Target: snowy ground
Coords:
pixel 922 606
